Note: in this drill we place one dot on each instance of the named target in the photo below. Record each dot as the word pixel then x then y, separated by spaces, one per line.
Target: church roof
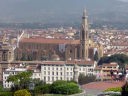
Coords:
pixel 69 62
pixel 80 62
pixel 49 41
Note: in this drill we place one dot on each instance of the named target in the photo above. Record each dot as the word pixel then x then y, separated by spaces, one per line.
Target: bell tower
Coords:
pixel 84 36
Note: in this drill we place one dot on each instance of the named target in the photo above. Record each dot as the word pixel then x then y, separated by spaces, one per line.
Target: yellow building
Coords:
pixel 103 71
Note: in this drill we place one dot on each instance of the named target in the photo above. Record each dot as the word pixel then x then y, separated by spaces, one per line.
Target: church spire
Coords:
pixel 84 36
pixel 85 20
pixel 85 14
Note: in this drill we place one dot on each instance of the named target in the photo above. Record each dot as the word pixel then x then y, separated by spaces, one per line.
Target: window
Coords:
pixel 70 73
pixel 67 73
pixel 10 73
pixel 48 78
pixel 56 73
pixel 90 70
pixel 56 78
pixel 8 85
pixel 44 78
pixel 52 73
pixel 48 73
pixel 52 78
pixel 70 51
pixel 44 72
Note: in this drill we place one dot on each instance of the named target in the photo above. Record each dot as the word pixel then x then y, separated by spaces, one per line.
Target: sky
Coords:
pixel 124 0
pixel 56 10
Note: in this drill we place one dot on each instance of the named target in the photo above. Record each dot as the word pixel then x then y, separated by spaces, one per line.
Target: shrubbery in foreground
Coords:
pixel 117 89
pixel 6 94
pixel 22 92
pixel 58 87
pixel 64 87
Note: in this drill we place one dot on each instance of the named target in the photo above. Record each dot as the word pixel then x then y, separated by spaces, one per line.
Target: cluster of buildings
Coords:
pixel 50 71
pixel 113 40
pixel 54 54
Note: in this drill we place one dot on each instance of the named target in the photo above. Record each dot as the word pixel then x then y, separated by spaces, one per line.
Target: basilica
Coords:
pixel 38 48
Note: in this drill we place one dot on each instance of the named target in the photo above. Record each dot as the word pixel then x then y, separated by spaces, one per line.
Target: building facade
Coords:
pixel 102 72
pixel 69 70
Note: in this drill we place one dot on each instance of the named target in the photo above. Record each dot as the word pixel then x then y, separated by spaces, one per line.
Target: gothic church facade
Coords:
pixel 36 48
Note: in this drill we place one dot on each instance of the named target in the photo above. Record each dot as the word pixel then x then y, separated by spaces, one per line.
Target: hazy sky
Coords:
pixel 53 10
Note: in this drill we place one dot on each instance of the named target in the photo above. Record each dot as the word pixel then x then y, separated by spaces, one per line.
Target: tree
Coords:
pixel 82 79
pixel 121 59
pixel 38 82
pixel 21 79
pixel 13 78
pixel 104 59
pixel 96 56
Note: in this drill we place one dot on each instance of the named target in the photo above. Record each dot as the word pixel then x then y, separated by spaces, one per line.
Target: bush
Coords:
pixel 63 87
pixel 43 89
pixel 72 88
pixel 38 89
pixel 117 89
pixel 23 92
pixel 46 88
pixel 115 95
pixel 6 94
pixel 58 84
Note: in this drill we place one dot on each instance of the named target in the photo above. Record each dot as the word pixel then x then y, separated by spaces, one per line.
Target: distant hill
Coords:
pixel 62 11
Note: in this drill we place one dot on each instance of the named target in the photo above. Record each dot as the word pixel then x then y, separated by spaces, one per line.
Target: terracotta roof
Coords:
pixel 53 62
pixel 49 41
pixel 80 62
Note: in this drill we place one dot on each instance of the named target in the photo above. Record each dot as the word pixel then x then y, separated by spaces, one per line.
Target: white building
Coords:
pixel 36 73
pixel 10 71
pixel 65 70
